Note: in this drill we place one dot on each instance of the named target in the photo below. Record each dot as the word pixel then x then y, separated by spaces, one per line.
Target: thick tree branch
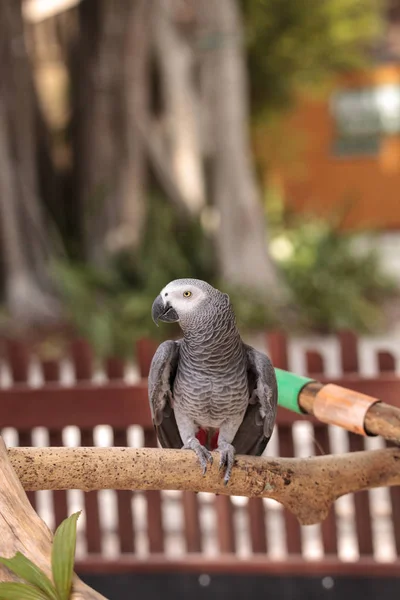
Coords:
pixel 307 487
pixel 22 530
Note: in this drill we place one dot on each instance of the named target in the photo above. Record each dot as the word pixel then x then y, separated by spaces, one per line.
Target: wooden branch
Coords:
pixel 307 487
pixel 21 529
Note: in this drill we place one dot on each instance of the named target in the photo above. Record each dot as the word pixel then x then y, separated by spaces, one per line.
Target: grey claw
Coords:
pixel 204 456
pixel 227 452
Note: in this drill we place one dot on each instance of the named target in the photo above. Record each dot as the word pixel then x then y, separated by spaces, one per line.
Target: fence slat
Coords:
pixel 191 510
pixel 256 510
pixel 386 362
pixel 395 502
pixel 60 503
pixel 315 363
pixel 82 359
pixel 155 528
pixel 225 525
pixel 91 499
pixel 361 504
pixel 348 351
pixel 145 350
pixel 51 370
pixel 124 503
pixel 115 368
pixel 328 526
pixel 51 374
pixel 277 349
pixel 18 357
pixel 394 492
pixel 292 527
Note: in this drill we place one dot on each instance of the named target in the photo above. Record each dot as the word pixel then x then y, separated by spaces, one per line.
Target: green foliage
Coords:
pixel 20 591
pixel 252 313
pixel 173 247
pixel 298 43
pixel 111 307
pixel 38 586
pixel 25 569
pixel 63 556
pixel 335 284
pixel 103 308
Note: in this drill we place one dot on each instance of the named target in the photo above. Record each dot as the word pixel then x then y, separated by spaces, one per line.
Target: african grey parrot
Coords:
pixel 209 382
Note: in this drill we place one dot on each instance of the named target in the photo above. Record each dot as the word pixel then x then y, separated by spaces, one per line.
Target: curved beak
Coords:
pixel 163 312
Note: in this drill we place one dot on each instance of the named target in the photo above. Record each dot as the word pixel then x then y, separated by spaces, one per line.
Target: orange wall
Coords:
pixel 317 180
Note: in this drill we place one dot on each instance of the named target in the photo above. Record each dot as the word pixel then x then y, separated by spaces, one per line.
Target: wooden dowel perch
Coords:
pixel 336 405
pixel 306 486
pixel 379 419
pixel 22 530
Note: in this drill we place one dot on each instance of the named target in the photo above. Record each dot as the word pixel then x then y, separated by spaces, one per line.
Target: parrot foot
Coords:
pixel 227 452
pixel 202 453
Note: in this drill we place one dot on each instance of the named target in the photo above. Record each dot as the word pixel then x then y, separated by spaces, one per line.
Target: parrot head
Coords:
pixel 182 299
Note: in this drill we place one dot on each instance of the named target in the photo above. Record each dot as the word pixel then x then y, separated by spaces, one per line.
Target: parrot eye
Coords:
pixel 187 294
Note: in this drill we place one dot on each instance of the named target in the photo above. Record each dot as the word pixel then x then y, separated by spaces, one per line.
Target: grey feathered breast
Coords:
pixel 257 425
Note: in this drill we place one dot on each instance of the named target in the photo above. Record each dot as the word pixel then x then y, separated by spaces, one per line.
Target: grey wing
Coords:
pixel 160 383
pixel 256 429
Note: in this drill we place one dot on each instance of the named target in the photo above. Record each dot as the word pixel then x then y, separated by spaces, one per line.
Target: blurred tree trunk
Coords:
pixel 181 126
pixel 108 101
pixel 241 239
pixel 136 106
pixel 146 100
pixel 25 244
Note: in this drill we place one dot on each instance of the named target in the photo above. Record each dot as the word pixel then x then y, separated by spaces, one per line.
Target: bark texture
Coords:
pixel 306 486
pixel 22 530
pixel 24 233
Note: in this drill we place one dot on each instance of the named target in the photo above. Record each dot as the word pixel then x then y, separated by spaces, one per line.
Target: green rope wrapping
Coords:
pixel 289 388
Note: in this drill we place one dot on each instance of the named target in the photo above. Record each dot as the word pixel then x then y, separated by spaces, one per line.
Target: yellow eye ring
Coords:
pixel 187 294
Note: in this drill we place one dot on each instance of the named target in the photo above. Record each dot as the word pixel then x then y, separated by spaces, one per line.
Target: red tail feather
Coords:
pixel 202 436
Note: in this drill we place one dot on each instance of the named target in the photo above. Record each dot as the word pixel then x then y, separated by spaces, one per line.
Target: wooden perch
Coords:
pixel 21 529
pixel 306 486
pixel 381 418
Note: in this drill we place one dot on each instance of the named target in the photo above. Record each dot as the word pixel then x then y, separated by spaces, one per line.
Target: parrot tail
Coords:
pixel 208 438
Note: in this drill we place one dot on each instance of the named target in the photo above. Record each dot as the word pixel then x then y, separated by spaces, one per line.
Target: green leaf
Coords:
pixel 63 555
pixel 25 569
pixel 20 591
